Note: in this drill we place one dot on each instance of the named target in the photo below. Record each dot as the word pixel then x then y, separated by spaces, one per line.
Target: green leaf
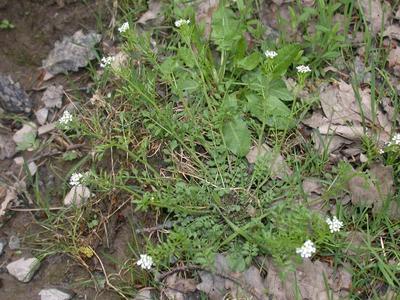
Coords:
pixel 237 136
pixel 169 65
pixel 227 30
pixel 278 89
pixel 270 110
pixel 250 62
pixel 186 56
pixel 29 141
pixel 286 57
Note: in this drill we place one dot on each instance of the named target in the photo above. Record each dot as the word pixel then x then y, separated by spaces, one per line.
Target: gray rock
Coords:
pixel 78 195
pixel 25 133
pixel 46 128
pixel 52 97
pixel 2 246
pixel 41 115
pixel 14 242
pixel 54 294
pixel 12 97
pixel 71 53
pixel 23 269
pixel 7 147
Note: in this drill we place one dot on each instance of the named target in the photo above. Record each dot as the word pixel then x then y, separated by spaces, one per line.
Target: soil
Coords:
pixel 38 25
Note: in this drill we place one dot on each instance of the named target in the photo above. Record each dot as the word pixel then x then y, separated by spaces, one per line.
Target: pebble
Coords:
pixel 27 129
pixel 54 294
pixel 32 167
pixel 2 246
pixel 41 115
pixel 78 195
pixel 23 269
pixel 14 242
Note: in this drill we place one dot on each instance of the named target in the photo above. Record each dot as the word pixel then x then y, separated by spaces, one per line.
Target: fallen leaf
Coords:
pixel 71 54
pixel 312 186
pixel 179 288
pixel 7 147
pixel 204 13
pixel 52 97
pixel 310 280
pixel 11 195
pixel 376 13
pixel 393 32
pixel 152 13
pixel 372 189
pixel 273 159
pixel 239 285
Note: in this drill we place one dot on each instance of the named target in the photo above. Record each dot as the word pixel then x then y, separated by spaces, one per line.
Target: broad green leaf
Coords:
pixel 270 110
pixel 250 62
pixel 237 136
pixel 278 89
pixel 229 103
pixel 227 30
pixel 286 57
pixel 169 65
pixel 186 56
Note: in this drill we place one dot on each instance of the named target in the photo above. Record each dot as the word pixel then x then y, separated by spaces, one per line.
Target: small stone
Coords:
pixel 46 128
pixel 52 97
pixel 14 242
pixel 2 246
pixel 54 294
pixel 27 129
pixel 41 115
pixel 23 269
pixel 78 195
pixel 7 147
pixel 19 161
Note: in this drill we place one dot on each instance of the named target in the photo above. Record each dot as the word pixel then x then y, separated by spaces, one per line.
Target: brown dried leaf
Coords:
pixel 152 13
pixel 393 32
pixel 205 12
pixel 309 281
pixel 11 195
pixel 52 97
pixel 312 186
pixel 273 159
pixel 177 288
pixel 376 12
pixel 7 147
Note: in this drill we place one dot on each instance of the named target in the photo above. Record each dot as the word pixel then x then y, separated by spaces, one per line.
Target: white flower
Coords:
pixel 395 140
pixel 303 69
pixel 270 54
pixel 66 118
pixel 334 224
pixel 106 61
pixel 180 22
pixel 145 261
pixel 381 151
pixel 124 27
pixel 307 250
pixel 76 179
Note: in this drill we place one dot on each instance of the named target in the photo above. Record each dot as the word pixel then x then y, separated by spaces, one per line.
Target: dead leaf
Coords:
pixel 11 195
pixel 312 186
pixel 204 13
pixel 393 32
pixel 309 281
pixel 178 288
pixel 71 54
pixel 239 285
pixel 372 189
pixel 273 159
pixel 7 147
pixel 376 12
pixel 52 97
pixel 152 13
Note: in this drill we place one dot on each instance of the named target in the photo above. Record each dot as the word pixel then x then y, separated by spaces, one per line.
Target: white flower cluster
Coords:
pixel 270 54
pixel 106 61
pixel 395 140
pixel 307 250
pixel 124 27
pixel 76 179
pixel 66 118
pixel 180 22
pixel 303 69
pixel 334 224
pixel 145 261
